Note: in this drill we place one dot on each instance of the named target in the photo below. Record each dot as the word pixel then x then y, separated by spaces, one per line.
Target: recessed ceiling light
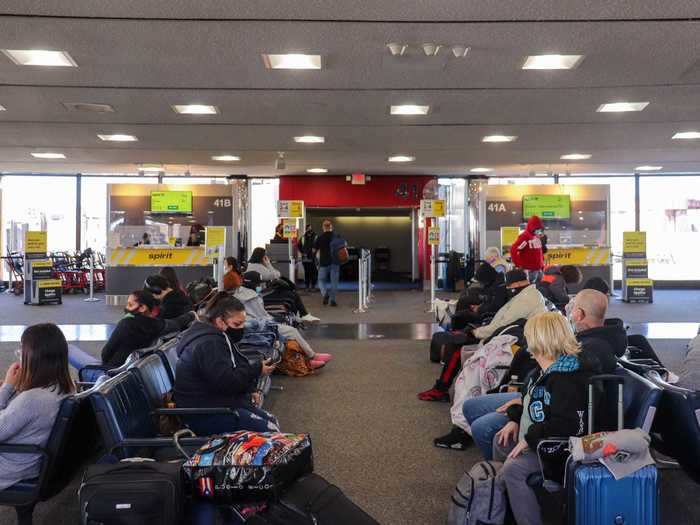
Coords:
pixel 648 168
pixel 576 156
pixel 48 155
pixel 151 167
pixel 409 109
pixel 310 139
pixel 195 109
pixel 226 158
pixel 460 51
pixel 317 170
pixel 2 108
pixel 687 135
pixel 118 137
pixel 552 61
pixel 401 158
pixel 621 107
pixel 481 170
pixel 40 57
pixel 88 106
pixel 292 61
pixel 397 49
pixel 499 138
pixel 431 49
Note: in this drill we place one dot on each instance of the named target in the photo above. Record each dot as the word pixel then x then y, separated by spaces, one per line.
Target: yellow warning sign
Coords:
pixel 49 283
pixel 434 235
pixel 215 237
pixel 290 209
pixel 432 208
pixel 508 236
pixel 634 243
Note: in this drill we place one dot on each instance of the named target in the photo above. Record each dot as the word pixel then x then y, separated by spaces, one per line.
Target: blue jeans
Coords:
pixel 249 418
pixel 480 413
pixel 323 273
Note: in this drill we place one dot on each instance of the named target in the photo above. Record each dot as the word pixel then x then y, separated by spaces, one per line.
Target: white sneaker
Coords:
pixel 308 318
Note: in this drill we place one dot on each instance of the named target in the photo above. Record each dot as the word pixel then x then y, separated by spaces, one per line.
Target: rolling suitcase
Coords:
pixel 314 501
pixel 596 498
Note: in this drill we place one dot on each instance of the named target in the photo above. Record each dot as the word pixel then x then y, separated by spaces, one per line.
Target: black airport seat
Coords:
pixel 676 429
pixel 155 378
pixel 55 469
pixel 641 399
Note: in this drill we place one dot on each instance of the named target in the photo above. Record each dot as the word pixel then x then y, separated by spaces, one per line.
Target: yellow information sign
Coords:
pixel 634 242
pixel 579 255
pixel 215 237
pixel 193 256
pixel 42 264
pixel 49 283
pixel 639 282
pixel 508 236
pixel 290 209
pixel 289 228
pixel 434 235
pixel 432 208
pixel 35 242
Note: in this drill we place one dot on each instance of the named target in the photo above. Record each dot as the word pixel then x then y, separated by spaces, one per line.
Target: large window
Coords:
pixel 670 214
pixel 264 194
pixel 621 211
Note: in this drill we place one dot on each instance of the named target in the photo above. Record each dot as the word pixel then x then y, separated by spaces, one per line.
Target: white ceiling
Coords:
pixel 142 57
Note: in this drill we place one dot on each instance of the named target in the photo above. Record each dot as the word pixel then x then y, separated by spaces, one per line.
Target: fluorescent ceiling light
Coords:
pixel 686 135
pixel 648 168
pixel 195 109
pixel 481 170
pixel 310 139
pixel 499 138
pixel 621 107
pixel 226 158
pixel 48 155
pixel 118 137
pixel 576 156
pixel 409 109
pixel 397 49
pixel 401 158
pixel 317 170
pixel 292 61
pixel 151 167
pixel 40 57
pixel 552 61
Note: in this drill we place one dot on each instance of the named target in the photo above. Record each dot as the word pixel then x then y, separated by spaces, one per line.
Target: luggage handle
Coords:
pixel 607 378
pixel 185 432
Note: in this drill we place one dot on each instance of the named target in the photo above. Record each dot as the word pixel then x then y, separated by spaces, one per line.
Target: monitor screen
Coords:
pixel 547 206
pixel 171 202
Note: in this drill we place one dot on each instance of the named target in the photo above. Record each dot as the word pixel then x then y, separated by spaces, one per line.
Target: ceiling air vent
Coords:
pixel 85 106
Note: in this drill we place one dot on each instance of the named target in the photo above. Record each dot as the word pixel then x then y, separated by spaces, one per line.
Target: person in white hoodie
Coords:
pixel 255 309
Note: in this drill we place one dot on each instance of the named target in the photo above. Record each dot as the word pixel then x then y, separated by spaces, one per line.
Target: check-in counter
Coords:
pixel 594 261
pixel 128 268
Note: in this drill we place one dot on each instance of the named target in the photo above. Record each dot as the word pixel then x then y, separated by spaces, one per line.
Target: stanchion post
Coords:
pixel 92 298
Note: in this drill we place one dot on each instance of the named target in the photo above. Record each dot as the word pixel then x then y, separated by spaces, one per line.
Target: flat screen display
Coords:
pixel 171 202
pixel 547 206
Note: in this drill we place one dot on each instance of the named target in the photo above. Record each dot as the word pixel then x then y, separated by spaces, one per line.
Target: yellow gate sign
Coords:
pixel 35 243
pixel 434 235
pixel 432 208
pixel 290 209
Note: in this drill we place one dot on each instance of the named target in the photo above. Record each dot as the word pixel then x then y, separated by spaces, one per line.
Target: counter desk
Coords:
pixel 594 261
pixel 127 268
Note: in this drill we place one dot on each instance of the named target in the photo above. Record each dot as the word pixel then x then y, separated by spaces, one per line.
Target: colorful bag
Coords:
pixel 246 466
pixel 294 362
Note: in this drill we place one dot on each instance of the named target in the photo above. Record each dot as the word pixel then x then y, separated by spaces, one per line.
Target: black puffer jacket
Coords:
pixel 604 344
pixel 209 373
pixel 490 295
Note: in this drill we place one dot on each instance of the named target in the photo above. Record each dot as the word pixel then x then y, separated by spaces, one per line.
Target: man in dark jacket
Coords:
pixel 556 280
pixel 139 328
pixel 173 303
pixel 485 299
pixel 212 373
pixel 602 343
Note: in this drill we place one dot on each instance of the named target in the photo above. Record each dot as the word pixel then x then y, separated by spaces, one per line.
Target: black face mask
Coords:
pixel 132 312
pixel 235 334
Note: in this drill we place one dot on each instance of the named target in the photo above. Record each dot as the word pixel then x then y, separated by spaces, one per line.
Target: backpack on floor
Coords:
pixel 294 362
pixel 479 497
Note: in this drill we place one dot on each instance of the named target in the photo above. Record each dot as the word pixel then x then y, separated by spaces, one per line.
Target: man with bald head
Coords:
pixel 598 340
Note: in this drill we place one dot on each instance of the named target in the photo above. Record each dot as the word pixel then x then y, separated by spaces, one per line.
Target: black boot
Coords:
pixel 457 439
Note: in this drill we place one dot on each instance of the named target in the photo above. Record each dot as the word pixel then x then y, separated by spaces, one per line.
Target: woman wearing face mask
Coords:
pixel 212 373
pixel 139 328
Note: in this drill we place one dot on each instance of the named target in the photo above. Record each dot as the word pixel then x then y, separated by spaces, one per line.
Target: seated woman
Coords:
pixel 30 399
pixel 255 309
pixel 212 373
pixel 554 403
pixel 232 274
pixel 282 289
pixel 139 328
pixel 173 302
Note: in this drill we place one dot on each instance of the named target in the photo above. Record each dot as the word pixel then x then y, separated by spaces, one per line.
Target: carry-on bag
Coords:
pixel 132 493
pixel 479 497
pixel 594 496
pixel 248 466
pixel 313 501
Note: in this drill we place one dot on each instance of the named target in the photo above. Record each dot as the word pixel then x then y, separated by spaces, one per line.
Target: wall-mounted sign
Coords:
pixel 289 228
pixel 547 206
pixel 158 257
pixel 290 209
pixel 358 179
pixel 434 235
pixel 432 208
pixel 215 238
pixel 634 244
pixel 35 244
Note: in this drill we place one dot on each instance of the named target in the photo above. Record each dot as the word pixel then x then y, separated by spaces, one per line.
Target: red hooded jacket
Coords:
pixel 526 251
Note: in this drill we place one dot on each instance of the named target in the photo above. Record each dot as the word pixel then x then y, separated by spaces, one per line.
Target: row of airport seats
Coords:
pixel 112 419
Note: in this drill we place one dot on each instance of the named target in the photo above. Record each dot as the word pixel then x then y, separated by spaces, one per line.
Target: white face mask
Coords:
pixel 570 318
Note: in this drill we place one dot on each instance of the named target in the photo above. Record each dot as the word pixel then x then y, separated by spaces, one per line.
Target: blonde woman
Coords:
pixel 554 403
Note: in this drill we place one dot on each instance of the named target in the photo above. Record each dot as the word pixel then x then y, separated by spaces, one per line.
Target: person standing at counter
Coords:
pixel 527 253
pixel 145 240
pixel 194 239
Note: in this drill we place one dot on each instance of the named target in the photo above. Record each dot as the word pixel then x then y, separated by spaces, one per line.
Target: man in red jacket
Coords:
pixel 526 252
